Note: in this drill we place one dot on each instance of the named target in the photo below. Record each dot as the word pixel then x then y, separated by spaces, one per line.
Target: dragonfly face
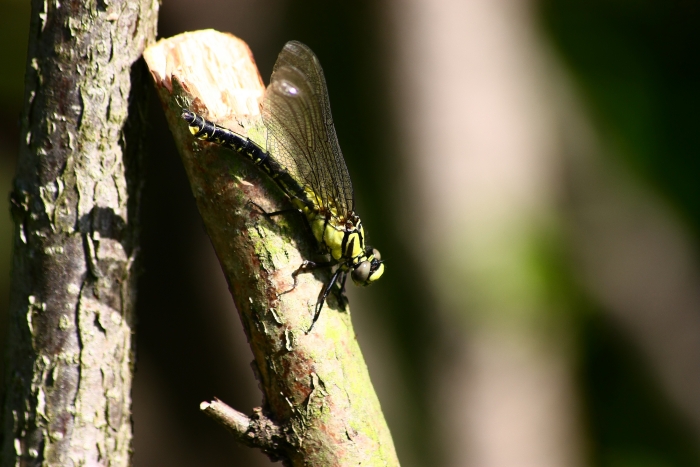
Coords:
pixel 368 269
pixel 304 159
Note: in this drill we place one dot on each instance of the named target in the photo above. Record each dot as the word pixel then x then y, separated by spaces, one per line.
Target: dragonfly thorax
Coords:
pixel 343 240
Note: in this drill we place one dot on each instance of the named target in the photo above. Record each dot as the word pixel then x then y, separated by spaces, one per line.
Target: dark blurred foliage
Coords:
pixel 630 422
pixel 636 66
pixel 14 17
pixel 14 27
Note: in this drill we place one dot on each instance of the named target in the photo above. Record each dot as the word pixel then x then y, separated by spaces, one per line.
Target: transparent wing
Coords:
pixel 301 135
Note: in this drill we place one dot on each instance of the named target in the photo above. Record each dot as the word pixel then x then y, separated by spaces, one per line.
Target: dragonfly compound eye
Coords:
pixel 376 254
pixel 361 273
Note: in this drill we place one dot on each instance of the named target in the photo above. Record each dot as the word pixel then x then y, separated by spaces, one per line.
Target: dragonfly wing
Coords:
pixel 301 134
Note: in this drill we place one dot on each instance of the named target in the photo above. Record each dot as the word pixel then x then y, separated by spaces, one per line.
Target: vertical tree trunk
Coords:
pixel 75 203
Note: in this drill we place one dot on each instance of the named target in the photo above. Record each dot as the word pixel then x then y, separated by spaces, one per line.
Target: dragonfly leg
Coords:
pixel 306 266
pixel 269 215
pixel 274 213
pixel 322 300
pixel 342 283
pixel 340 293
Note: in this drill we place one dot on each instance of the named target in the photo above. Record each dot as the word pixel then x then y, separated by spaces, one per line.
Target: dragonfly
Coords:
pixel 303 157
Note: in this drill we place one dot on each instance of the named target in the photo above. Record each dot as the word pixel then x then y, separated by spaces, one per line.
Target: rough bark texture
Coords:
pixel 318 394
pixel 75 199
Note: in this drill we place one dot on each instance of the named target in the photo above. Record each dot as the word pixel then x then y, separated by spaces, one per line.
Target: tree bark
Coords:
pixel 75 203
pixel 319 407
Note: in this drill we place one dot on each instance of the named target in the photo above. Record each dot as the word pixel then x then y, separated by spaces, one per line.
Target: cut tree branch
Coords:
pixel 319 406
pixel 256 431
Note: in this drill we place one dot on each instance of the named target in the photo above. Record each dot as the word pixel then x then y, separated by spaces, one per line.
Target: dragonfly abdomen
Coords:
pixel 206 130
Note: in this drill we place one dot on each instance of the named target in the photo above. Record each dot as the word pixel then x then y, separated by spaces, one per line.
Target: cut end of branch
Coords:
pixel 222 90
pixel 232 419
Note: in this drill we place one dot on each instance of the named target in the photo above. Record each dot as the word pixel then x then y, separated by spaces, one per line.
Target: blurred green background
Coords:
pixel 632 79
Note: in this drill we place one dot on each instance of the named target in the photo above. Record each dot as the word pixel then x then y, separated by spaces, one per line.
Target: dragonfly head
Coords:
pixel 368 269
